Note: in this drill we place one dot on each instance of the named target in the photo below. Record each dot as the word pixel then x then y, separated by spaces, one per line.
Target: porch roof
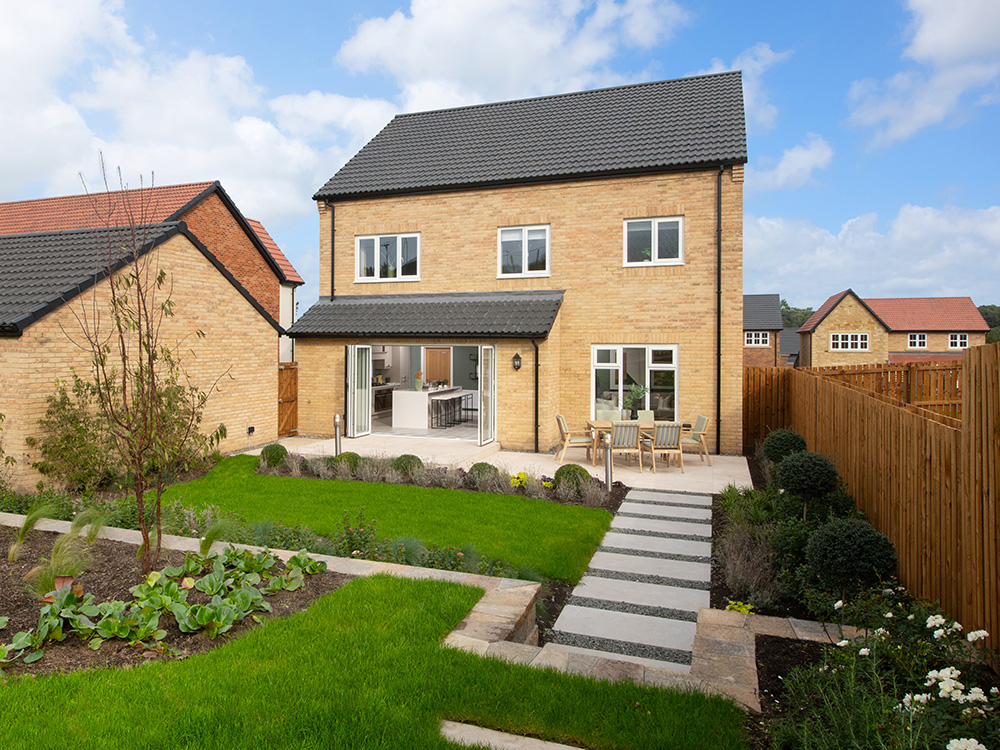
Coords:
pixel 456 315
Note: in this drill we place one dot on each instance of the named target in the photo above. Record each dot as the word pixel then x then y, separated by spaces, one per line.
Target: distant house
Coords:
pixel 790 346
pixel 54 260
pixel 848 330
pixel 762 330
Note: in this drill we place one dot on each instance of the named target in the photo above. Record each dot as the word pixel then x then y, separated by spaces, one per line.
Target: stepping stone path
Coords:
pixel 639 599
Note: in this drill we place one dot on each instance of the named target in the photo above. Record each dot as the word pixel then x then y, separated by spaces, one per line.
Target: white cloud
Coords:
pixel 795 167
pixel 452 52
pixel 754 62
pixel 924 252
pixel 957 48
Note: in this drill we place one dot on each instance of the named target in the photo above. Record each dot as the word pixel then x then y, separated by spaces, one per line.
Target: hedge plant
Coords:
pixel 273 454
pixel 407 463
pixel 848 554
pixel 781 443
pixel 806 474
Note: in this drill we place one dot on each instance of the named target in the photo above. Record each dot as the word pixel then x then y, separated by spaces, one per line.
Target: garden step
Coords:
pixel 667 511
pixel 626 628
pixel 593 654
pixel 663 527
pixel 670 498
pixel 643 594
pixel 651 566
pixel 657 544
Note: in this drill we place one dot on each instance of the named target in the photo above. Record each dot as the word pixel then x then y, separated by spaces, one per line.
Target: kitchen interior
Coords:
pixel 442 402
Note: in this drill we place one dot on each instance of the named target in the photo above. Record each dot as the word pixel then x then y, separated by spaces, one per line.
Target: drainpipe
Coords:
pixel 333 255
pixel 535 344
pixel 718 310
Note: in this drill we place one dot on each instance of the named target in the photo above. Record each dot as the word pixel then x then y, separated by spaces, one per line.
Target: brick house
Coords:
pixel 848 330
pixel 54 262
pixel 542 255
pixel 762 331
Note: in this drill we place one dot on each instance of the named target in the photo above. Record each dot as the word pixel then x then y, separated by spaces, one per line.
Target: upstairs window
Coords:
pixel 654 242
pixel 388 257
pixel 958 341
pixel 756 338
pixel 523 251
pixel 917 341
pixel 850 341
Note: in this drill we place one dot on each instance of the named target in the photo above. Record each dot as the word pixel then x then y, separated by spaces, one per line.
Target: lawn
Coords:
pixel 361 668
pixel 556 541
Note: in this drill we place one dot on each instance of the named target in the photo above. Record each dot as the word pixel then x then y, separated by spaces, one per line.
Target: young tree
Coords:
pixel 152 410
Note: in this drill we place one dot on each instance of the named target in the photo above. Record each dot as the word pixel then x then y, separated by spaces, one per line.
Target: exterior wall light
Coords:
pixel 517 362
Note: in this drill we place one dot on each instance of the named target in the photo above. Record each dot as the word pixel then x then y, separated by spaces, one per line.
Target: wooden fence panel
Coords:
pixel 929 480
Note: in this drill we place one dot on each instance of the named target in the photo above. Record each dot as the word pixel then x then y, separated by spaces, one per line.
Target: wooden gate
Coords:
pixel 288 398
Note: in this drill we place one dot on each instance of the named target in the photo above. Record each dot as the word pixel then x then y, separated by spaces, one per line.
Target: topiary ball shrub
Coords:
pixel 347 457
pixel 806 474
pixel 407 464
pixel 781 443
pixel 849 553
pixel 483 472
pixel 571 475
pixel 273 455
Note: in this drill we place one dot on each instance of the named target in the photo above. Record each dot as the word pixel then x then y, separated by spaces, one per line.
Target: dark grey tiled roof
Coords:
pixel 639 128
pixel 762 312
pixel 476 315
pixel 789 341
pixel 39 272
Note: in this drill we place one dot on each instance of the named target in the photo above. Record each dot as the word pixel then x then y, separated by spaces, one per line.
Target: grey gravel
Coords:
pixel 664 534
pixel 658 555
pixel 635 609
pixel 646 578
pixel 706 522
pixel 624 648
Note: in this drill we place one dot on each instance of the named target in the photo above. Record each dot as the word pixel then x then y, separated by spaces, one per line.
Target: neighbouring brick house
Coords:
pixel 848 330
pixel 542 254
pixel 762 330
pixel 53 263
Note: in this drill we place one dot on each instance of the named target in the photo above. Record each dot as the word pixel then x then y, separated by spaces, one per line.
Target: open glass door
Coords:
pixel 487 394
pixel 359 390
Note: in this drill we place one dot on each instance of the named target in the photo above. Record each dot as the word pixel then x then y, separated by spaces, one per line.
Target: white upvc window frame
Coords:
pixel 614 353
pixel 525 229
pixel 756 338
pixel 916 341
pixel 654 260
pixel 378 278
pixel 849 341
pixel 958 341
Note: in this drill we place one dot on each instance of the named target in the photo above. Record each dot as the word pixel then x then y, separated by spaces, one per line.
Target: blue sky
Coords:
pixel 872 126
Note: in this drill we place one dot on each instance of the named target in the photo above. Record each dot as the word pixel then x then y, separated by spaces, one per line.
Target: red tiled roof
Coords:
pixel 153 205
pixel 279 257
pixel 928 314
pixel 821 313
pixel 899 359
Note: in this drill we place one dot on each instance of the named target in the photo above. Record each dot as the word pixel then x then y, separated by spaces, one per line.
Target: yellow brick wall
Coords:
pixel 849 316
pixel 937 342
pixel 604 303
pixel 238 354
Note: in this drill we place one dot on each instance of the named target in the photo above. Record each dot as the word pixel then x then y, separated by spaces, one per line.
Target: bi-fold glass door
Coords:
pixel 359 390
pixel 487 394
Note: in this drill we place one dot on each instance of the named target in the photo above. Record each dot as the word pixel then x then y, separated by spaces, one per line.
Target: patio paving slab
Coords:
pixel 657 544
pixel 623 626
pixel 653 566
pixel 662 527
pixel 667 511
pixel 580 652
pixel 643 594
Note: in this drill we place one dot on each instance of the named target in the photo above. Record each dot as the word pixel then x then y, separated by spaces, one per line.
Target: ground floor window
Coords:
pixel 615 368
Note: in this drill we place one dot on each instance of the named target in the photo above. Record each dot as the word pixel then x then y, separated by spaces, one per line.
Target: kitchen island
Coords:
pixel 412 409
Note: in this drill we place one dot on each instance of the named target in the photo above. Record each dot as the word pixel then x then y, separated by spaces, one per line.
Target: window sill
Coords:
pixel 533 275
pixel 393 280
pixel 657 264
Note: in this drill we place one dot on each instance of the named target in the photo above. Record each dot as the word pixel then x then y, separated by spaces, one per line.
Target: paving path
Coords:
pixel 639 599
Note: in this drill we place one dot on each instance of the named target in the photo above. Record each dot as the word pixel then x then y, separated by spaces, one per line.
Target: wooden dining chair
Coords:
pixel 697 438
pixel 576 439
pixel 665 440
pixel 625 440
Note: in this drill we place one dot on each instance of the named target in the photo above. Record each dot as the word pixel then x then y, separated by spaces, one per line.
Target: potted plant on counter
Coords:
pixel 418 380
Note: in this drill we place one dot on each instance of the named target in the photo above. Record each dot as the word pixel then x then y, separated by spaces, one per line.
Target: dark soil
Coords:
pixel 113 570
pixel 553 598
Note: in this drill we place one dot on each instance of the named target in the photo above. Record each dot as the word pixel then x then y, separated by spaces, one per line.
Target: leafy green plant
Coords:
pixel 406 464
pixel 216 582
pixel 781 443
pixel 273 455
pixel 806 474
pixel 737 606
pixel 68 559
pixel 37 513
pixel 636 393
pixel 572 475
pixel 215 618
pixel 308 565
pixel 847 554
pixel 347 458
